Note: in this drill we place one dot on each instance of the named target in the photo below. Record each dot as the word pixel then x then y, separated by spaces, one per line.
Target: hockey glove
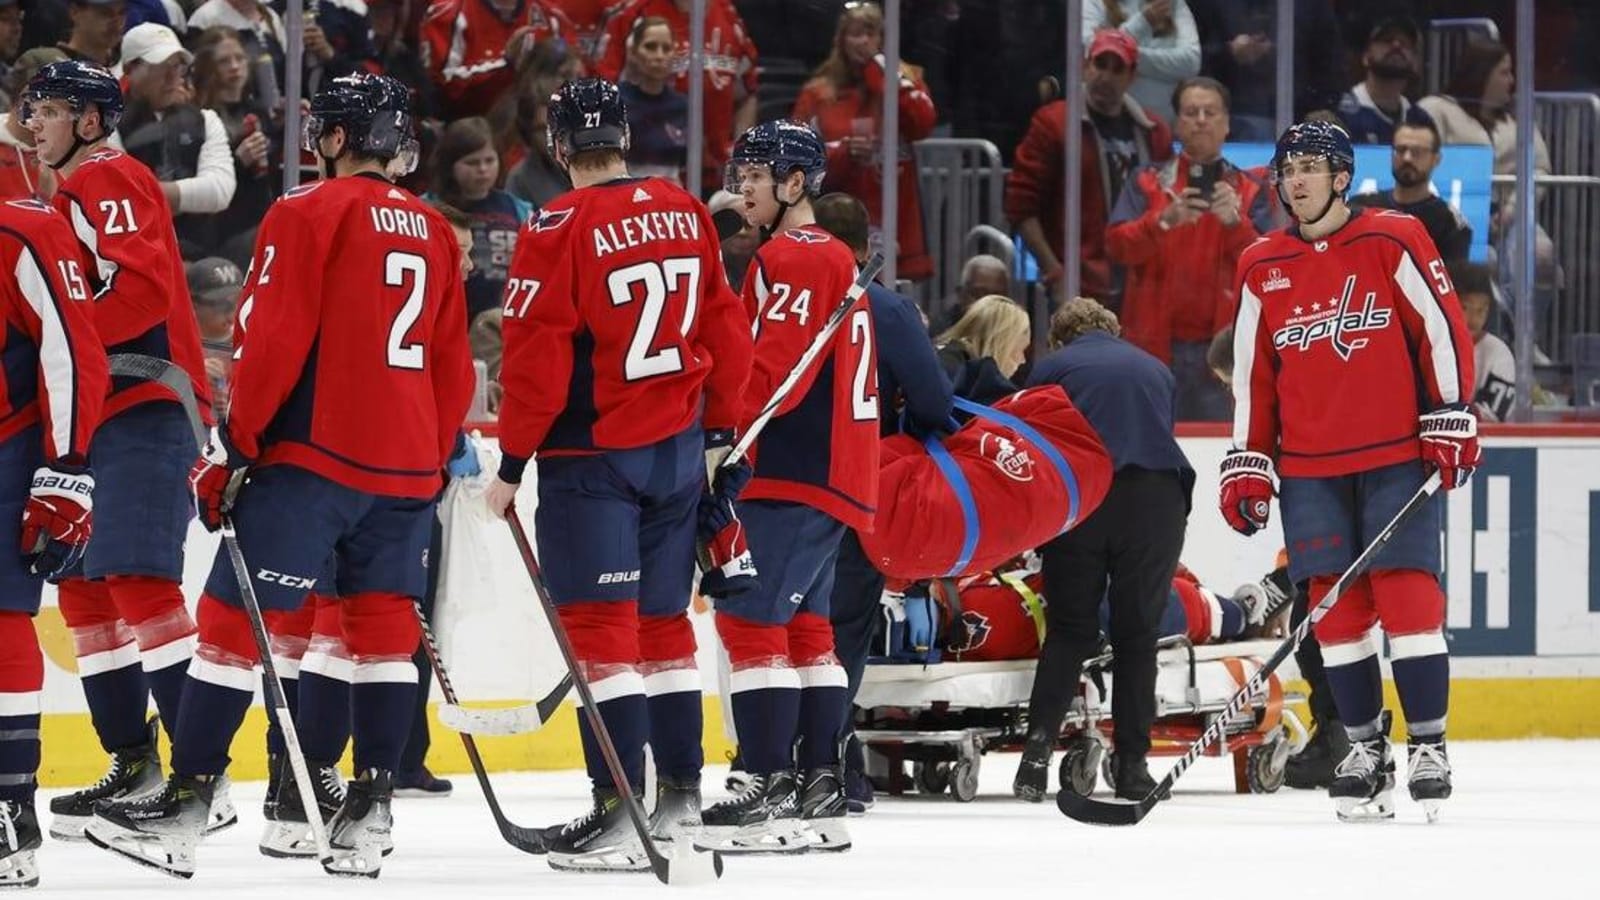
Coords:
pixel 725 562
pixel 215 478
pixel 57 519
pixel 1450 443
pixel 1246 491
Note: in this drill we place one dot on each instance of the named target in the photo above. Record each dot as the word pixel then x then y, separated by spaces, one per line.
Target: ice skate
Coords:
pixel 287 834
pixel 19 837
pixel 1363 783
pixel 160 830
pixel 134 771
pixel 677 812
pixel 823 808
pixel 1312 768
pixel 1428 774
pixel 764 818
pixel 358 834
pixel 600 840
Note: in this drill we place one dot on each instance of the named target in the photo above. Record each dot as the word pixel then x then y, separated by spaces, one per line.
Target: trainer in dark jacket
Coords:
pixel 1123 554
pixel 913 395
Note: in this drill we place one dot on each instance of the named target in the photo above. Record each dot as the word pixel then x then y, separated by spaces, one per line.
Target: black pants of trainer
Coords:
pixel 1124 554
pixel 854 612
pixel 416 751
pixel 1308 656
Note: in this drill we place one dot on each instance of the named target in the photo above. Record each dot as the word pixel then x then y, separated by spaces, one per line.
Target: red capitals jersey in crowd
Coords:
pixel 618 321
pixel 821 449
pixel 730 65
pixel 1341 343
pixel 352 357
pixel 51 363
pixel 464 48
pixel 141 301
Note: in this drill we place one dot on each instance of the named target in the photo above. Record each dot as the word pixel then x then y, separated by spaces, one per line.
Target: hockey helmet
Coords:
pixel 81 85
pixel 587 114
pixel 782 145
pixel 1314 138
pixel 374 111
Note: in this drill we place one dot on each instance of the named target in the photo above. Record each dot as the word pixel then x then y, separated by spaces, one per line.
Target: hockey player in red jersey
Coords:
pixel 815 474
pixel 467 47
pixel 351 381
pixel 125 605
pixel 625 356
pixel 54 372
pixel 1352 379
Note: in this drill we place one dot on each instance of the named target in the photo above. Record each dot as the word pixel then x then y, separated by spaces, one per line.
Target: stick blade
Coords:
pixel 1100 812
pixel 528 840
pixel 687 866
pixel 504 721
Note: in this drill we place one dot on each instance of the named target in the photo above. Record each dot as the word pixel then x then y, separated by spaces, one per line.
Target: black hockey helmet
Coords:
pixel 374 111
pixel 81 84
pixel 587 114
pixel 782 145
pixel 1314 139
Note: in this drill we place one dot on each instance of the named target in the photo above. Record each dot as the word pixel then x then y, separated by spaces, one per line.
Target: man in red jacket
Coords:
pixel 1119 136
pixel 1179 228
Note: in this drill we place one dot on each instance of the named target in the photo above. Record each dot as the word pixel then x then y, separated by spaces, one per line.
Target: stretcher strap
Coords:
pixel 1068 478
pixel 969 506
pixel 1030 601
pixel 1274 710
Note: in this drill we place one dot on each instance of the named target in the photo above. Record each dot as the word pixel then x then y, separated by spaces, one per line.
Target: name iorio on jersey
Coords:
pixel 634 231
pixel 406 222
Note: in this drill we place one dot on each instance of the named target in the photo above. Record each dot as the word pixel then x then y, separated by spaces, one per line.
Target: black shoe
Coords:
pixel 159 830
pixel 1428 773
pixel 823 808
pixel 600 840
pixel 134 771
pixel 288 834
pixel 858 793
pixel 421 783
pixel 1033 773
pixel 359 833
pixel 677 812
pixel 1312 768
pixel 1133 778
pixel 19 837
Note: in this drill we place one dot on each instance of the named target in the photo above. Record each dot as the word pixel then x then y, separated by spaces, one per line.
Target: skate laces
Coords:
pixel 1428 761
pixel 753 789
pixel 112 775
pixel 8 825
pixel 595 812
pixel 1364 757
pixel 332 783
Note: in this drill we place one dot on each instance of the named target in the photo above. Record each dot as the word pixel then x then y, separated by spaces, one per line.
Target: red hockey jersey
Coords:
pixel 619 324
pixel 1341 343
pixel 464 48
pixel 141 301
pixel 352 357
pixel 821 449
pixel 52 368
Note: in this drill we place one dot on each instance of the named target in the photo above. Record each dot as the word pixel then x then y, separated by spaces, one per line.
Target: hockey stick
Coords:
pixel 686 865
pixel 508 720
pixel 169 375
pixel 528 840
pixel 1102 812
pixel 274 688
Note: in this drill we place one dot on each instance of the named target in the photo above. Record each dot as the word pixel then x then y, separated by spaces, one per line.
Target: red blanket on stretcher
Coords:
pixel 1016 475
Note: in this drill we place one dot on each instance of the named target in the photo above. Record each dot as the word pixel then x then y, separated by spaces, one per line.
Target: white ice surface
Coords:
pixel 1525 823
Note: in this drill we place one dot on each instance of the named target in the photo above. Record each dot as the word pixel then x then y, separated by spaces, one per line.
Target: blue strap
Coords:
pixel 1048 449
pixel 969 506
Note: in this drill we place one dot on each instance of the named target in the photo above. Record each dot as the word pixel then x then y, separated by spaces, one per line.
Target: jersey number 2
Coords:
pixel 659 279
pixel 396 267
pixel 863 396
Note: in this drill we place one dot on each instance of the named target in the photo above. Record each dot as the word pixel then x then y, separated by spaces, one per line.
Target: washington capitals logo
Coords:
pixel 1336 322
pixel 552 219
pixel 806 237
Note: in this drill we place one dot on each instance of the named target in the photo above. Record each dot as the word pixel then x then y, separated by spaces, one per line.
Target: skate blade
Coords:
pixel 175 858
pixel 1430 808
pixel 19 870
pixel 829 835
pixel 68 828
pixel 1359 810
pixel 623 858
pixel 781 836
pixel 364 859
pixel 287 840
pixel 222 815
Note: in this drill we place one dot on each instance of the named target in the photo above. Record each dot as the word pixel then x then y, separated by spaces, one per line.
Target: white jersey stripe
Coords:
pixel 1441 351
pixel 1245 326
pixel 55 350
pixel 89 236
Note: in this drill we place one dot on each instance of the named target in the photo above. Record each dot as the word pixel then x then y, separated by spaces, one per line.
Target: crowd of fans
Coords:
pixel 1167 82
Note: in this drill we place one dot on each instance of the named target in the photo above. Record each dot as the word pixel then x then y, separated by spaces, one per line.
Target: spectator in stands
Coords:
pixel 1496 367
pixel 981 275
pixel 221 84
pixel 10 44
pixel 1237 44
pixel 184 145
pixel 468 46
pixel 465 170
pixel 1416 154
pixel 1372 109
pixel 395 53
pixel 1169 43
pixel 97 27
pixel 658 116
pixel 262 33
pixel 983 350
pixel 161 12
pixel 739 239
pixel 1118 136
pixel 730 69
pixel 843 101
pixel 1219 358
pixel 20 172
pixel 214 286
pixel 1179 227
pixel 536 178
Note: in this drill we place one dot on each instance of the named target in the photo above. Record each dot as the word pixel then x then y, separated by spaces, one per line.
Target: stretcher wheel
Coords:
pixel 964 780
pixel 1078 762
pixel 931 777
pixel 1265 766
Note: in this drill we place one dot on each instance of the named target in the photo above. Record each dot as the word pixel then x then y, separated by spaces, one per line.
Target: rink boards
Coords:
pixel 1523 579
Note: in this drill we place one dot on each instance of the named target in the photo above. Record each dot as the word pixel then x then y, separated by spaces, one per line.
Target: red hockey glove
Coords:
pixel 57 519
pixel 1246 491
pixel 725 563
pixel 1450 443
pixel 215 477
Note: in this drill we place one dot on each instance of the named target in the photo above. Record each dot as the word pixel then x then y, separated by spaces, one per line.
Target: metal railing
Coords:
pixel 962 182
pixel 1444 42
pixel 1569 212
